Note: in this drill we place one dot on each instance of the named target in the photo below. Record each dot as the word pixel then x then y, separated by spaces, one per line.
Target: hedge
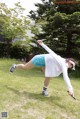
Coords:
pixel 4 49
pixel 13 51
pixel 18 51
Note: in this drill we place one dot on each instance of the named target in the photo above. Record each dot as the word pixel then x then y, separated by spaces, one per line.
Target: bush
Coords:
pixel 4 49
pixel 18 51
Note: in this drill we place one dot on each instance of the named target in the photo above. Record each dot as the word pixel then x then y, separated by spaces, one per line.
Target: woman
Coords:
pixel 53 65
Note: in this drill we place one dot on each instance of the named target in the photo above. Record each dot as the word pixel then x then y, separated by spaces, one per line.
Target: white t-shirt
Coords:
pixel 55 65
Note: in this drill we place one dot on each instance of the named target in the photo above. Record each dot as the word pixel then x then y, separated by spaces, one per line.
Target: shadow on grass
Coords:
pixel 52 100
pixel 29 73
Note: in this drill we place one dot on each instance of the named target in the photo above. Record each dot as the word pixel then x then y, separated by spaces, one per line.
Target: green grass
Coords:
pixel 20 95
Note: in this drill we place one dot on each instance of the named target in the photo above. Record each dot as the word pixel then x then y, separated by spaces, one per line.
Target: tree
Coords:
pixel 13 23
pixel 67 7
pixel 61 30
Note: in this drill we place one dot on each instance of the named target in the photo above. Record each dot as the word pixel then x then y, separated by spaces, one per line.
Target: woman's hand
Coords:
pixel 71 93
pixel 39 42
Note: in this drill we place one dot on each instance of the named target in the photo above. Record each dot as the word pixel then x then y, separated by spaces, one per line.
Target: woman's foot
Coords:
pixel 12 68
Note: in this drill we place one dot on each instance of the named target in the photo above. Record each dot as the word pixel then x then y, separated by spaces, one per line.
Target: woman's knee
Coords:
pixel 28 65
pixel 22 66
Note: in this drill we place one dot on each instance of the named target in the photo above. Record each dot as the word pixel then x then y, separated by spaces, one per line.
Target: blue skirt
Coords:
pixel 38 60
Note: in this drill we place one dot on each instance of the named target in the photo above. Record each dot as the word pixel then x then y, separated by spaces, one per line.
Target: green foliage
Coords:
pixel 14 25
pixel 4 50
pixel 37 50
pixel 68 8
pixel 12 21
pixel 61 29
pixel 19 51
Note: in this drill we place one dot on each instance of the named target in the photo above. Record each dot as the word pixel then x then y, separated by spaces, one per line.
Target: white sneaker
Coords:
pixel 45 93
pixel 12 68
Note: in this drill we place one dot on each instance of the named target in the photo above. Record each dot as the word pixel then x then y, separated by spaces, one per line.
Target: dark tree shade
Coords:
pixel 61 27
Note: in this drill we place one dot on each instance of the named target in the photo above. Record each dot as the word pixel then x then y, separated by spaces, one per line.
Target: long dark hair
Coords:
pixel 68 59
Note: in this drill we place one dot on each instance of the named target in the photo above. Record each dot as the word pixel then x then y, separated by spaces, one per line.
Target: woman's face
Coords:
pixel 70 65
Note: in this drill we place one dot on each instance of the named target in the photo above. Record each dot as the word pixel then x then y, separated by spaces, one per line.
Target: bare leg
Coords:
pixel 43 69
pixel 26 66
pixel 46 83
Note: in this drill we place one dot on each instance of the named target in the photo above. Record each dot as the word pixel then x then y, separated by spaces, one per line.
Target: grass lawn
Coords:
pixel 20 95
